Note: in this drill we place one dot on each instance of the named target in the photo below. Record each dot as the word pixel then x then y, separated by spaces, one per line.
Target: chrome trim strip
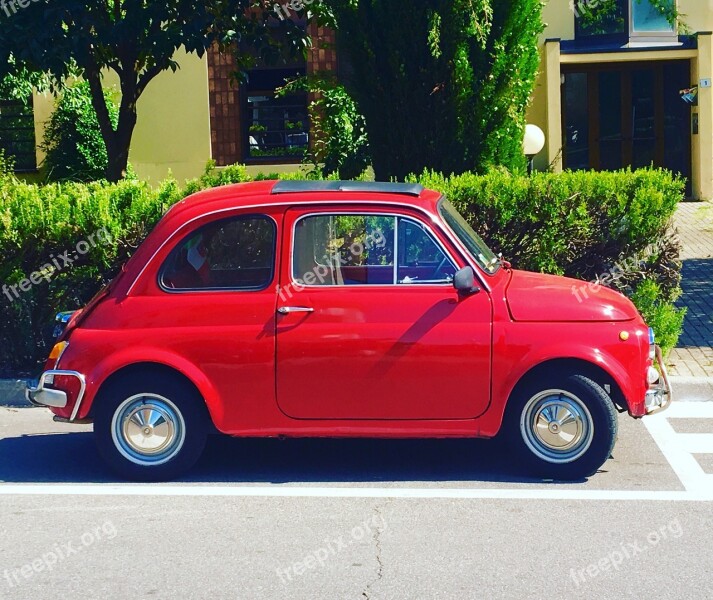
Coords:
pixel 43 381
pixel 433 218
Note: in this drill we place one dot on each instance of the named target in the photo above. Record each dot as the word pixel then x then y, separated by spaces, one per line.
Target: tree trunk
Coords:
pixel 117 142
pixel 117 164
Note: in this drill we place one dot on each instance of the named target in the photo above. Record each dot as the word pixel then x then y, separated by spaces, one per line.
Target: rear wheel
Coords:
pixel 562 429
pixel 150 429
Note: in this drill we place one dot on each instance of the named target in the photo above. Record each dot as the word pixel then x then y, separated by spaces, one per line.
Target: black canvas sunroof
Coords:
pixel 293 187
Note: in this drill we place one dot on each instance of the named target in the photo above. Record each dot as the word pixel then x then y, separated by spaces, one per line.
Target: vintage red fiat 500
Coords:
pixel 341 309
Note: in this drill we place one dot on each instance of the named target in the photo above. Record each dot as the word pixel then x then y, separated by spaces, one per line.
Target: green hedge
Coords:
pixel 579 224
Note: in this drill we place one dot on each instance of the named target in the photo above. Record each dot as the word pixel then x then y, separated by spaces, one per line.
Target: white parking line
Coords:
pixel 290 491
pixel 679 448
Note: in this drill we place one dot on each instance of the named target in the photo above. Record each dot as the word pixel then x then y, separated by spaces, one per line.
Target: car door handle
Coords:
pixel 286 310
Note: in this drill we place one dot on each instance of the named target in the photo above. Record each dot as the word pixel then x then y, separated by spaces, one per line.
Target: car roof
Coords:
pixel 276 193
pixel 273 192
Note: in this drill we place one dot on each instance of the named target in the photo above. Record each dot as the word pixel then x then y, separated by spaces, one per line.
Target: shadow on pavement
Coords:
pixel 697 297
pixel 72 458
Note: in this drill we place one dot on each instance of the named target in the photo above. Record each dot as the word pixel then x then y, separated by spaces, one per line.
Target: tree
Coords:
pixel 443 84
pixel 137 39
pixel 339 142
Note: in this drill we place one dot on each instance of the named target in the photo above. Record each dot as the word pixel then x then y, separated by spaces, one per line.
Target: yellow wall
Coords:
pixel 173 129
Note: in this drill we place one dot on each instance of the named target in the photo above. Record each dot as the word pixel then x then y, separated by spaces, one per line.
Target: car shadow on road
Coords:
pixel 72 458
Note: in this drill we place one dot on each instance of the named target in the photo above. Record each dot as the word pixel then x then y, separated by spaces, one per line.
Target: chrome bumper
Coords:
pixel 659 398
pixel 43 396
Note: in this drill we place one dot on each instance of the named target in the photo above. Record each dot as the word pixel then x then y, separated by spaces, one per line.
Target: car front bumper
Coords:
pixel 660 395
pixel 51 398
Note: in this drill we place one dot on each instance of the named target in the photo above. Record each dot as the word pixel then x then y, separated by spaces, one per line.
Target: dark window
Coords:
pixel 608 17
pixel 230 254
pixel 360 250
pixel 17 133
pixel 275 127
pixel 622 18
pixel 576 121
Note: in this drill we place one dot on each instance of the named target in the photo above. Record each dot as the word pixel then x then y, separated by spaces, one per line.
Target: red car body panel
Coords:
pixel 377 361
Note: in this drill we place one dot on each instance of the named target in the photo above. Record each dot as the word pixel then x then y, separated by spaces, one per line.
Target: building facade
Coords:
pixel 628 90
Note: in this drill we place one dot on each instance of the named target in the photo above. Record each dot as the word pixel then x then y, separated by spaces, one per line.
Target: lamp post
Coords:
pixel 533 144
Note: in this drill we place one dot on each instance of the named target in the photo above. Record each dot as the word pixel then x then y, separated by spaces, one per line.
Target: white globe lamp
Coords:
pixel 533 144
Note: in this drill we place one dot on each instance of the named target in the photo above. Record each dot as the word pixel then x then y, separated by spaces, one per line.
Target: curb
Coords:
pixel 692 389
pixel 12 392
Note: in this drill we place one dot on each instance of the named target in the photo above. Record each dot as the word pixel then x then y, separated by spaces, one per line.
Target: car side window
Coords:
pixel 361 250
pixel 230 254
pixel 421 259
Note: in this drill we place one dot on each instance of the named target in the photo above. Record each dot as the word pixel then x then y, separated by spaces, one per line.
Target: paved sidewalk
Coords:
pixel 694 355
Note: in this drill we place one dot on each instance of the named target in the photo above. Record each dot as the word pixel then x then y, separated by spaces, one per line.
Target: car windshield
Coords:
pixel 478 248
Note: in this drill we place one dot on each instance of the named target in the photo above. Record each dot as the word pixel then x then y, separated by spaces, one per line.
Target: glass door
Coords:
pixel 626 115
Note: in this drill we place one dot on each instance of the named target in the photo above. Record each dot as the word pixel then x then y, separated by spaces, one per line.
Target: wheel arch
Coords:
pixel 573 366
pixel 146 369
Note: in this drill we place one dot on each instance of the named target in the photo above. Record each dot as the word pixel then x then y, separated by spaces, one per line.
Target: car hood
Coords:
pixel 539 297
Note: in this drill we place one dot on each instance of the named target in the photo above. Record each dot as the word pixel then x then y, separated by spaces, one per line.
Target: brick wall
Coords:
pixel 225 136
pixel 321 58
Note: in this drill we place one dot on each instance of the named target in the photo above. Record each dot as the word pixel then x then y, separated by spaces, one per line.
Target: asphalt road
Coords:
pixel 359 519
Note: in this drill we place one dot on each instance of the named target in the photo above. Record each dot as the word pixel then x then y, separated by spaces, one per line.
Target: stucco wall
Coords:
pixel 173 129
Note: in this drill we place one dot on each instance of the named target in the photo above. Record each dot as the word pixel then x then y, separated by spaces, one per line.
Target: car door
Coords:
pixel 369 325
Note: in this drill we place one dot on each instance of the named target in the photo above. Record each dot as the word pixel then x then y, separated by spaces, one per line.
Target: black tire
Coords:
pixel 563 429
pixel 176 421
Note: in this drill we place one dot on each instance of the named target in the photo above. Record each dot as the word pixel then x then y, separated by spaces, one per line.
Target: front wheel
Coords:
pixel 563 430
pixel 150 430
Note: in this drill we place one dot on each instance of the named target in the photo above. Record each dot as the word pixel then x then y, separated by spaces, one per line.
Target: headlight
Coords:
pixel 652 344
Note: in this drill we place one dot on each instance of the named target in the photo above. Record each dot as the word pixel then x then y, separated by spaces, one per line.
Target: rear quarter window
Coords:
pixel 229 254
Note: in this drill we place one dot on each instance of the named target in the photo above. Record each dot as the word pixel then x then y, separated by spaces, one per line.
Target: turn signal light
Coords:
pixel 57 351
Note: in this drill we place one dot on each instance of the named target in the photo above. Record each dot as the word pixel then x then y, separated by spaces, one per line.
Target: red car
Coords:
pixel 342 309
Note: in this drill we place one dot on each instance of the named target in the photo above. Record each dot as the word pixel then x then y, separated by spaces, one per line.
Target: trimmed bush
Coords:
pixel 73 141
pixel 578 224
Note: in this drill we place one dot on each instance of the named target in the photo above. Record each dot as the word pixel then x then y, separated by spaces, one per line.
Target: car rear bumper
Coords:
pixel 660 395
pixel 51 398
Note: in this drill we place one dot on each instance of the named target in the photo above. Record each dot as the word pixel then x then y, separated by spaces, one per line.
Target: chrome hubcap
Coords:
pixel 557 426
pixel 148 429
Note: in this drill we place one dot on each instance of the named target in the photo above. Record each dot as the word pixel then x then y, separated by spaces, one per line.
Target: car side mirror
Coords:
pixel 464 282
